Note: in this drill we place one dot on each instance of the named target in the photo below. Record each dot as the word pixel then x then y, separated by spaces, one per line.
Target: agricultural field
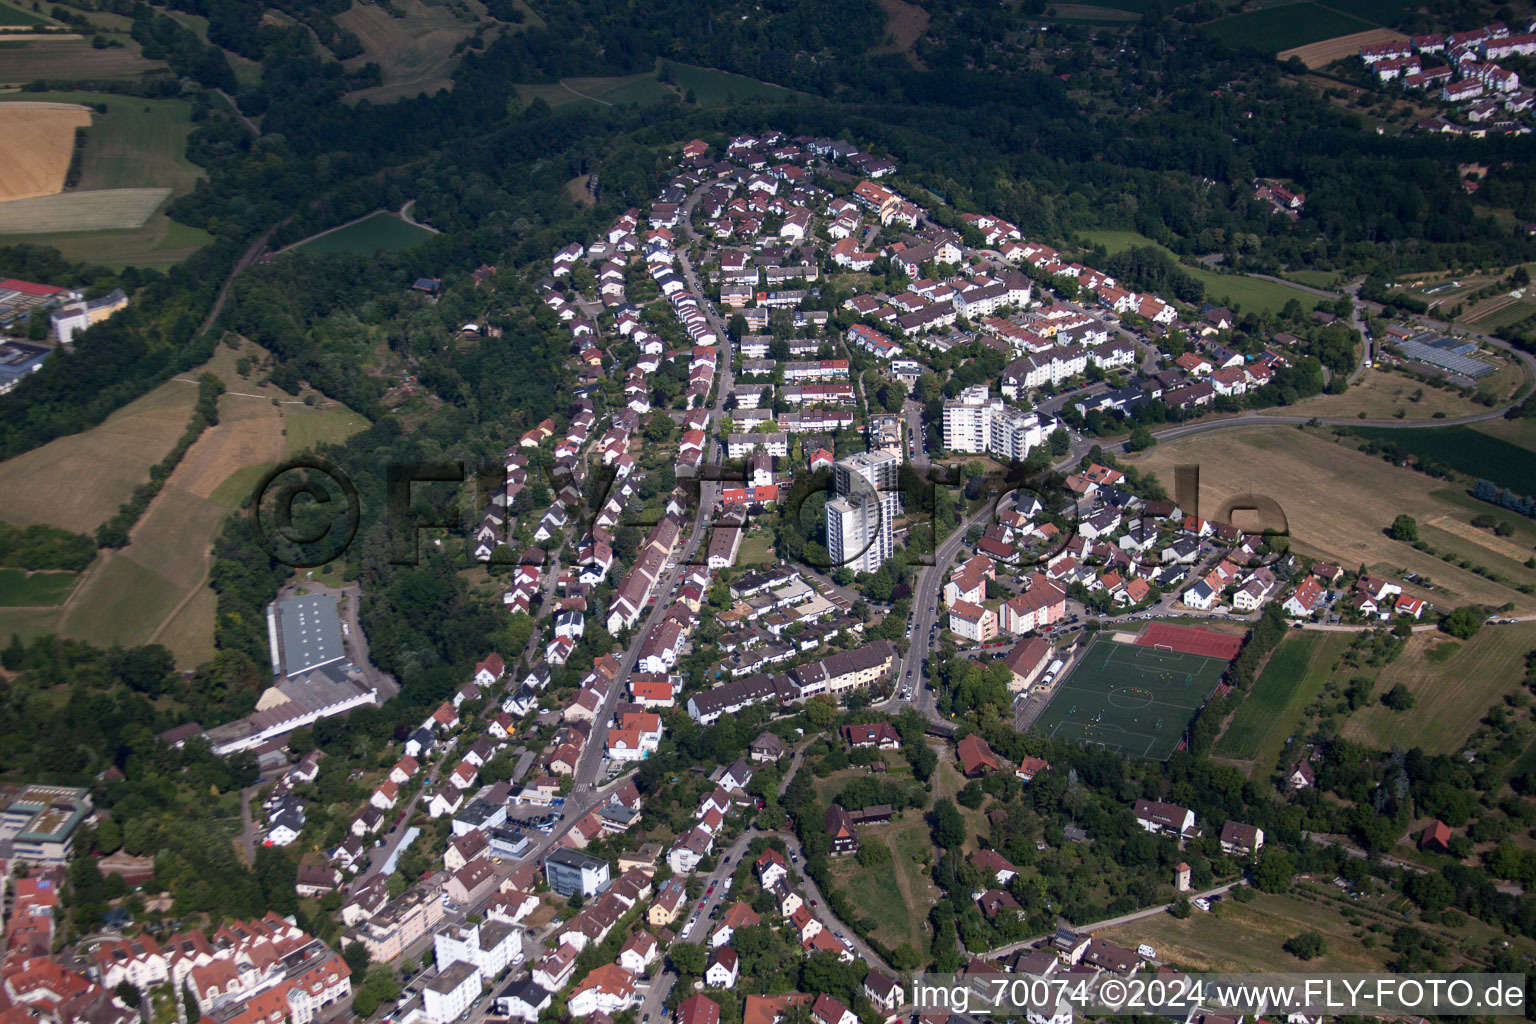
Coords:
pixel 14 17
pixel 1291 680
pixel 1314 480
pixel 1521 432
pixel 1381 394
pixel 99 210
pixel 22 589
pixel 377 231
pixel 137 143
pixel 1286 665
pixel 1467 450
pixel 713 87
pixel 114 456
pixel 40 140
pixel 1498 313
pixel 1326 51
pixel 415 52
pixel 121 602
pixel 134 157
pixel 27 623
pixel 1250 937
pixel 1451 694
pixel 1090 14
pixel 161 243
pixel 26 60
pixel 154 589
pixel 710 88
pixel 1274 29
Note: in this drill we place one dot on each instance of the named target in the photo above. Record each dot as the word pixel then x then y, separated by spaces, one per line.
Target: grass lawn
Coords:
pixel 1291 680
pixel 381 230
pixel 896 896
pixel 1286 665
pixel 1337 503
pixel 1250 294
pixel 947 782
pixel 19 588
pixel 1381 395
pixel 306 428
pixel 1237 290
pixel 1119 241
pixel 1250 936
pixel 1451 697
pixel 1315 278
pixel 1469 451
pixel 756 547
pixel 1301 696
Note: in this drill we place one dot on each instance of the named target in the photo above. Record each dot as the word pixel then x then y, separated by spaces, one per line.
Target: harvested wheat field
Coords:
pixel 77 481
pixel 103 209
pixel 39 141
pixel 249 433
pixel 1326 51
pixel 1338 504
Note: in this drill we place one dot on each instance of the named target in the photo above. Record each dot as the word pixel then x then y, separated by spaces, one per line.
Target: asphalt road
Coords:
pixel 590 763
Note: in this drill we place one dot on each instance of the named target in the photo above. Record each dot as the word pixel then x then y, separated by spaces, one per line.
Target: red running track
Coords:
pixel 1191 640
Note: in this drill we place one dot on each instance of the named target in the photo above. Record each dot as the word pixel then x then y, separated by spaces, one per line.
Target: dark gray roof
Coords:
pixel 310 632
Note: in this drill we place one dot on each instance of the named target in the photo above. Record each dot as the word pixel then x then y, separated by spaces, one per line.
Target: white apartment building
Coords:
pixel 859 520
pixel 976 422
pixel 968 420
pixel 452 992
pixel 858 533
pixel 490 947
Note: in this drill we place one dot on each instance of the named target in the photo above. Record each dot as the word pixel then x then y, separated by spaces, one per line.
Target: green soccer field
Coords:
pixel 1136 701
